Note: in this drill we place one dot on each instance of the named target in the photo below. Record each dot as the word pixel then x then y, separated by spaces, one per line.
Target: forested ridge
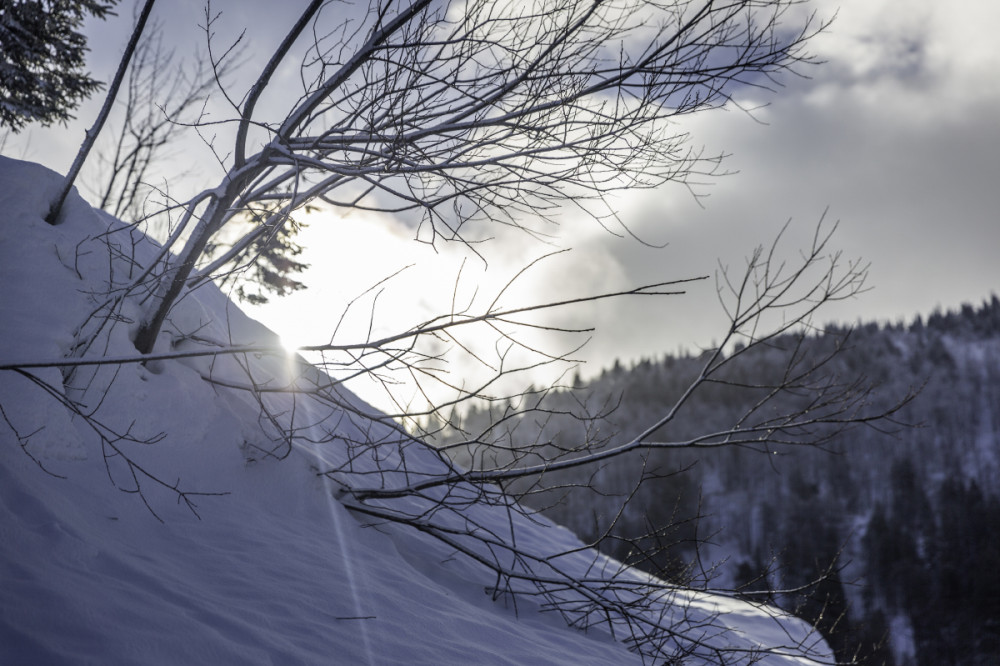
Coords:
pixel 885 537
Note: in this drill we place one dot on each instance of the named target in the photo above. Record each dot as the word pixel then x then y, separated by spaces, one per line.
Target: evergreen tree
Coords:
pixel 917 510
pixel 42 58
pixel 272 264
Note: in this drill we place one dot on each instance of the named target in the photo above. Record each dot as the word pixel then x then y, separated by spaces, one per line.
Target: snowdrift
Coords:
pixel 104 560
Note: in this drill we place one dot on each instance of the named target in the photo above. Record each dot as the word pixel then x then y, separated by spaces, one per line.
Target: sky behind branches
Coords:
pixel 895 136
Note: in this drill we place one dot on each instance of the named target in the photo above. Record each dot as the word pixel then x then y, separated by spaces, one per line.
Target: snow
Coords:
pixel 269 567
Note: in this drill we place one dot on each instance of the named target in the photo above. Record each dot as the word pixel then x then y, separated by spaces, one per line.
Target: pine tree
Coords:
pixel 272 262
pixel 42 58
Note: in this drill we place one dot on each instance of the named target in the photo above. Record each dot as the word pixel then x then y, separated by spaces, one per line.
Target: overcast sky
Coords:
pixel 896 136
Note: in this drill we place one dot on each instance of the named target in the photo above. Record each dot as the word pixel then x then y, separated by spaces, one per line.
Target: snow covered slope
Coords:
pixel 102 560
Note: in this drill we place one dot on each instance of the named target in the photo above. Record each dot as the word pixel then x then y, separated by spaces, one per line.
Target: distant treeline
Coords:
pixel 897 525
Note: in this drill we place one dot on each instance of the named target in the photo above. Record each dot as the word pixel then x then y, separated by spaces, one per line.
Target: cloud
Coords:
pixel 895 135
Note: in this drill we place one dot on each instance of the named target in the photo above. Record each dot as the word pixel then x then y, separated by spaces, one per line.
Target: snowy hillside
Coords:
pixel 172 525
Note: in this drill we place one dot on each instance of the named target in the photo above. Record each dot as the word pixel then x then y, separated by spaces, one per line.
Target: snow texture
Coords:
pixel 274 571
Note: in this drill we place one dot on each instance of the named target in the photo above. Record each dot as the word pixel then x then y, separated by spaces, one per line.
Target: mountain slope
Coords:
pixel 909 514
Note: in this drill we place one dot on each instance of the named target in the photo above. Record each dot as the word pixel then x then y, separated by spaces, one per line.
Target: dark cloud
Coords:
pixel 903 151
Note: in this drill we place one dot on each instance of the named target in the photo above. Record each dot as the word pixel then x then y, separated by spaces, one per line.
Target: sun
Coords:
pixel 291 343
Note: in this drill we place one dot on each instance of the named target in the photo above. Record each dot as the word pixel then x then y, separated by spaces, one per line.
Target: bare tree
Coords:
pixel 476 112
pixel 95 130
pixel 487 113
pixel 162 96
pixel 804 404
pixel 397 476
